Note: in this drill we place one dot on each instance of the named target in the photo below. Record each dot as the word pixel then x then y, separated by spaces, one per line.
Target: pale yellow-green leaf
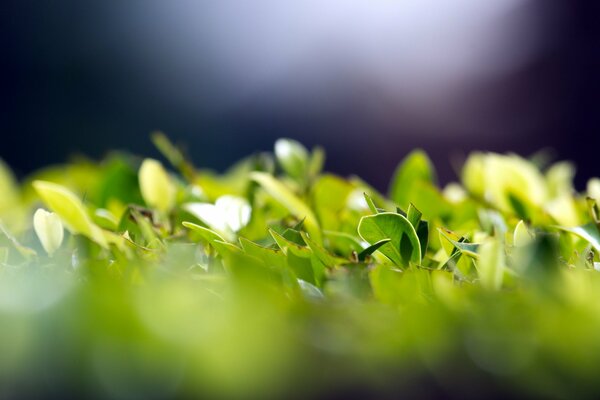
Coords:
pixel 473 174
pixel 454 193
pixel 521 235
pixel 292 156
pixel 289 200
pixel 559 179
pixel 70 209
pixel 156 186
pixel 491 264
pixel 49 230
pixel 228 215
pixel 496 178
pixel 593 188
pixel 564 210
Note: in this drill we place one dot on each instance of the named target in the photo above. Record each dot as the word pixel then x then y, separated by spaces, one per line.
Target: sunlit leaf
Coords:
pixel 289 200
pixel 71 211
pixel 293 157
pixel 156 186
pixel 491 263
pixel 374 228
pixel 415 168
pixel 49 229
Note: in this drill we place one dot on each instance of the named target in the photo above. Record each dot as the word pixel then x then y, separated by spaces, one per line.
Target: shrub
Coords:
pixel 276 279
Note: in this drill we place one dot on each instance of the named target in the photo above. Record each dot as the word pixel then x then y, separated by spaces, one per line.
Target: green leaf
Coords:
pixel 423 235
pixel 271 257
pixel 316 162
pixel 461 245
pixel 414 215
pixel 321 253
pixel 393 226
pixel 414 169
pixel 287 245
pixel 589 232
pixel 371 249
pixel 71 211
pixel 207 234
pixel 370 203
pixel 289 200
pixel 173 154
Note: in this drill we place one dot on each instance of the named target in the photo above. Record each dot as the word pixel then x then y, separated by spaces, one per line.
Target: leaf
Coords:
pixel 521 235
pixel 174 155
pixel 71 211
pixel 370 203
pixel 289 200
pixel 316 162
pixel 270 257
pixel 287 245
pixel 228 215
pixel 207 234
pixel 48 229
pixel 374 228
pixel 310 291
pixel 593 188
pixel 415 168
pixel 588 232
pixel 25 252
pixel 369 250
pixel 423 235
pixel 491 264
pixel 461 245
pixel 414 215
pixel 293 157
pixel 321 253
pixel 155 184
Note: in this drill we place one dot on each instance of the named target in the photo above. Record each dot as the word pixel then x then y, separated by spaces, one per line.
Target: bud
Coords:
pixel 49 229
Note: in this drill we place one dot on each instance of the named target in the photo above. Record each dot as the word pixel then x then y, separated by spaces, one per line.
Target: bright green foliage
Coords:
pixel 274 279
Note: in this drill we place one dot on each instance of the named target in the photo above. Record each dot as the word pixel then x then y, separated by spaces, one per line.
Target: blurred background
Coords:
pixel 368 80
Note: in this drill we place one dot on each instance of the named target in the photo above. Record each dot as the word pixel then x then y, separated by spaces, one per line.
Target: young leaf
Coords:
pixel 370 203
pixel 70 209
pixel 521 235
pixel 316 162
pixel 155 184
pixel 413 215
pixel 491 264
pixel 289 200
pixel 48 229
pixel 228 215
pixel 393 226
pixel 415 168
pixel 207 234
pixel 173 154
pixel 461 245
pixel 292 156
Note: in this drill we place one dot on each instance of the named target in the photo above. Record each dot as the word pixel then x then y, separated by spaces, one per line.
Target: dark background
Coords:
pixel 82 76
